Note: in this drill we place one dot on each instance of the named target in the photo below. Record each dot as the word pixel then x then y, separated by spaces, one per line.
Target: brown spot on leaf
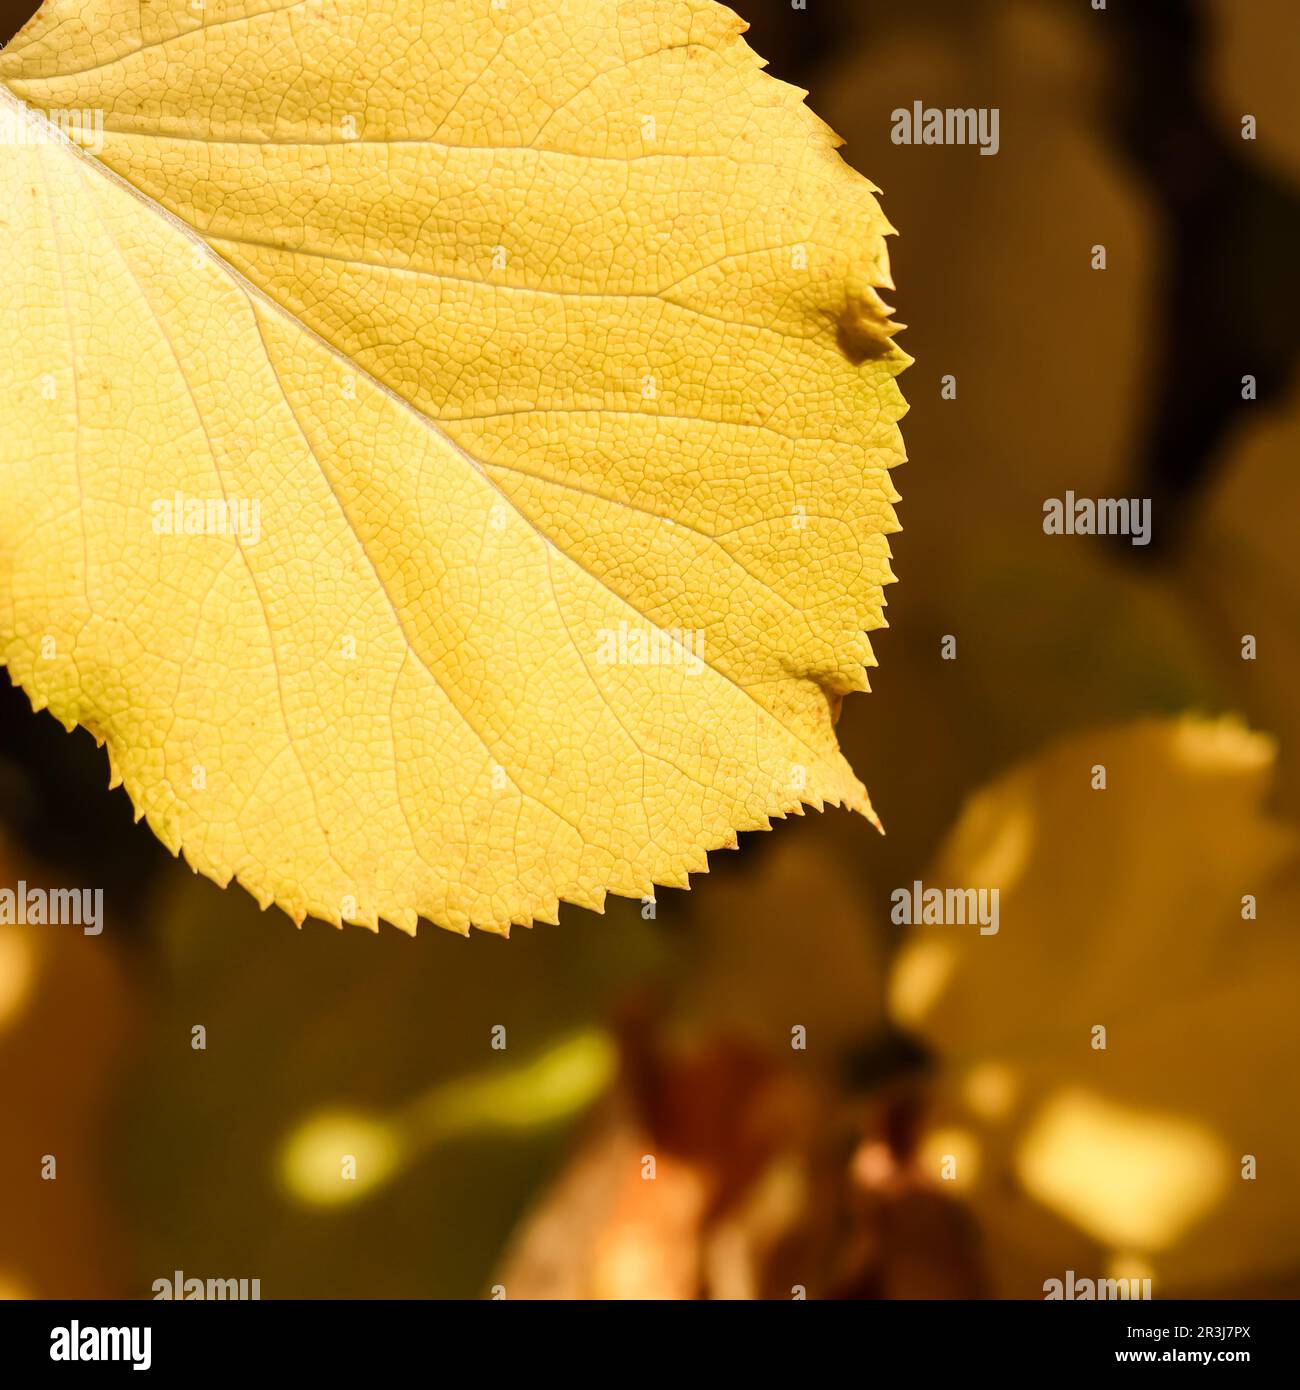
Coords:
pixel 864 328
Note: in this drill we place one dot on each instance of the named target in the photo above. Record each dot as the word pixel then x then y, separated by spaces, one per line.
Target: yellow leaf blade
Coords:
pixel 557 508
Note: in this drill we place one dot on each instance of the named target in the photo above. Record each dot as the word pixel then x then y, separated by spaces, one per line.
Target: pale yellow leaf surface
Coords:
pixel 527 327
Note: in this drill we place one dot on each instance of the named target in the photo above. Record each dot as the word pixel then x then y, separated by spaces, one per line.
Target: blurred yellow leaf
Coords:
pixel 1123 909
pixel 448 455
pixel 1240 574
pixel 1251 56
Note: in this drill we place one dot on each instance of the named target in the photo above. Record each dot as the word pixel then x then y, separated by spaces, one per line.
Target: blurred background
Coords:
pixel 765 1087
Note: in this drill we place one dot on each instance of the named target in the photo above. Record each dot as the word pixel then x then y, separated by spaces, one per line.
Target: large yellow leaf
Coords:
pixel 544 334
